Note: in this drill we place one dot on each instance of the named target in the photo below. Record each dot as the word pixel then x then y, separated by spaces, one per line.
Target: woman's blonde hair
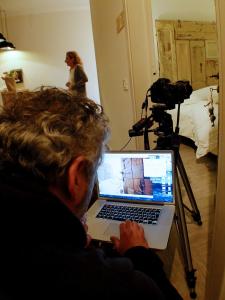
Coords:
pixel 76 58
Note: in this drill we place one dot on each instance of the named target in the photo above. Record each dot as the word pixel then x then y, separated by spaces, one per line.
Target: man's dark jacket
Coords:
pixel 43 253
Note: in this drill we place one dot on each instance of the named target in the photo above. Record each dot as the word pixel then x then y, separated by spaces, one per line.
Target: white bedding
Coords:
pixel 195 122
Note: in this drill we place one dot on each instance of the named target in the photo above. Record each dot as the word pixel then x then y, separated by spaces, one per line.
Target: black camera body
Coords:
pixel 170 94
pixel 165 95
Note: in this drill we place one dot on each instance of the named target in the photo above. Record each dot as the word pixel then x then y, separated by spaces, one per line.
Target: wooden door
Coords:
pixel 183 60
pixel 133 177
pixel 212 65
pixel 166 50
pixel 198 69
pixel 187 50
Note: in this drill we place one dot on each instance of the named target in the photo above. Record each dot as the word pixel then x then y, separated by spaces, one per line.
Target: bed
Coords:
pixel 195 123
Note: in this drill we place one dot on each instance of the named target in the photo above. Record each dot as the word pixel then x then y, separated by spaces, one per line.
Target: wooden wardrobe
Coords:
pixel 187 50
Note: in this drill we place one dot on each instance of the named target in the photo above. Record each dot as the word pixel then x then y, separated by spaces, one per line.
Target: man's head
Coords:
pixel 55 136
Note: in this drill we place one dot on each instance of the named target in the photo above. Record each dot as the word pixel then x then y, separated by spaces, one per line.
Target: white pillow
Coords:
pixel 204 94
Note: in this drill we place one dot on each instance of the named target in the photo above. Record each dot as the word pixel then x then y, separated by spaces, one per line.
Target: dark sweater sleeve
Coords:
pixel 80 76
pixel 147 261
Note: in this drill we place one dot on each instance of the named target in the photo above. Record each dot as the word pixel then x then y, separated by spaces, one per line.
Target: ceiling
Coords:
pixel 20 7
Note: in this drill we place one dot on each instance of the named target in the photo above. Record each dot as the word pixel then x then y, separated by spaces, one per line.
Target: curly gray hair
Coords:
pixel 45 130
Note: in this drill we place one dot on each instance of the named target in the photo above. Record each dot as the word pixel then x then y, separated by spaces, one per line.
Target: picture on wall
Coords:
pixel 17 74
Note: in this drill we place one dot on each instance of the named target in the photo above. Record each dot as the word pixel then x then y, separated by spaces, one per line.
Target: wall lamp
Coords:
pixel 4 44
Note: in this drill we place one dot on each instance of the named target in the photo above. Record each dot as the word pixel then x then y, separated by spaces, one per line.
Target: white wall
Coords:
pixel 113 68
pixel 42 40
pixel 126 55
pixel 191 10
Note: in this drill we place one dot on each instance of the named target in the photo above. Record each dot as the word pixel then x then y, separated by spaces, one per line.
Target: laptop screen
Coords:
pixel 137 176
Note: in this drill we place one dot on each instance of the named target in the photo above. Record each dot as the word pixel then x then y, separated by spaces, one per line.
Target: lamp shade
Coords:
pixel 4 44
pixel 2 37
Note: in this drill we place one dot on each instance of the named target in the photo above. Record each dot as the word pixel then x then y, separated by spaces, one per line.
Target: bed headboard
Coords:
pixel 187 50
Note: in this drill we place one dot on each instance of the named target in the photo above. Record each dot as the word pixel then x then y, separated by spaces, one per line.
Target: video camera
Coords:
pixel 166 95
pixel 163 91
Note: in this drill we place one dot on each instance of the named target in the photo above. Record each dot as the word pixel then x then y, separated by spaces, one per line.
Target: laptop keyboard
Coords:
pixel 121 213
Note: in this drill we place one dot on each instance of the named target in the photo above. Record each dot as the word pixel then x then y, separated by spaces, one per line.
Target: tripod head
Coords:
pixel 164 130
pixel 165 94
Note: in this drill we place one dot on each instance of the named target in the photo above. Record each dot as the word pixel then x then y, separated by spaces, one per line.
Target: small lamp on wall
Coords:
pixel 4 44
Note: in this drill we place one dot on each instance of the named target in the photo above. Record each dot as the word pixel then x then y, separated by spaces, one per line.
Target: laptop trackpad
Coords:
pixel 113 230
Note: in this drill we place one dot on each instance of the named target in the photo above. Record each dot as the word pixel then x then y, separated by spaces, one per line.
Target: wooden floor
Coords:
pixel 202 177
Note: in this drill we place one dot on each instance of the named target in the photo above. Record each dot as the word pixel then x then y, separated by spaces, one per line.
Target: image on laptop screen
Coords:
pixel 137 176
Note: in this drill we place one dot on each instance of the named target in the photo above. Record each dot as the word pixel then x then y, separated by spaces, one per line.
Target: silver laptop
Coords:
pixel 134 185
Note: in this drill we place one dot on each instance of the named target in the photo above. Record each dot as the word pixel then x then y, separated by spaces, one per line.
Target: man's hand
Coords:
pixel 131 235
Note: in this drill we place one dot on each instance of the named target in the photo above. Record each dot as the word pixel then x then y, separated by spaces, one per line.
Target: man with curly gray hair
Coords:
pixel 51 144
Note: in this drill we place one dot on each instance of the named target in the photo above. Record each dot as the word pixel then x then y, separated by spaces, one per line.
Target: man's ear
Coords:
pixel 77 182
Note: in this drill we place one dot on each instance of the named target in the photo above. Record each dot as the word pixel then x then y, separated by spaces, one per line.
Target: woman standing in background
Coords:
pixel 77 78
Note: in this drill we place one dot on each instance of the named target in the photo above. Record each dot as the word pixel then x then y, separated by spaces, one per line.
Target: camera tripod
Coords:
pixel 172 142
pixel 181 222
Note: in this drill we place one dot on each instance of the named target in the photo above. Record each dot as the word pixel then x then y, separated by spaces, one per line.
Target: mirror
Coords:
pixel 186 49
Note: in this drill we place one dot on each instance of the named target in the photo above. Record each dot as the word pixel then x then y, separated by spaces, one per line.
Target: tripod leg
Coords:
pixel 184 239
pixel 195 211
